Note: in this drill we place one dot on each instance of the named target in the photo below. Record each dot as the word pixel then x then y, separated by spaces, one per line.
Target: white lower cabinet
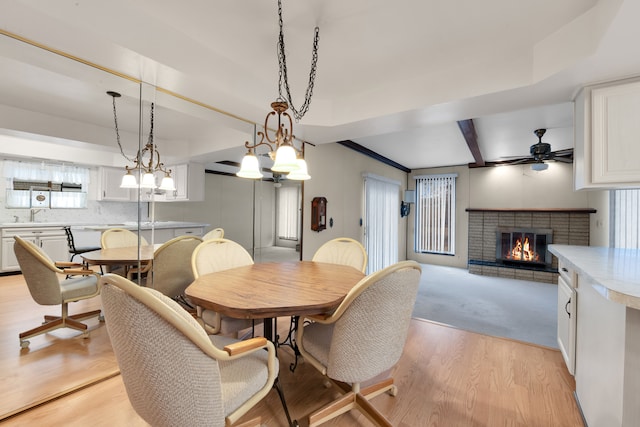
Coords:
pixel 567 316
pixel 52 240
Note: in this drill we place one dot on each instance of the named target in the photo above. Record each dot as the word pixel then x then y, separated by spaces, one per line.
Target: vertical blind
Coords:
pixel 625 230
pixel 288 213
pixel 382 205
pixel 435 213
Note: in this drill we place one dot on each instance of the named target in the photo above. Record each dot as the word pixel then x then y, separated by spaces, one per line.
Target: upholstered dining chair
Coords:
pixel 216 233
pixel 46 288
pixel 120 238
pixel 215 255
pixel 174 374
pixel 171 272
pixel 362 339
pixel 344 251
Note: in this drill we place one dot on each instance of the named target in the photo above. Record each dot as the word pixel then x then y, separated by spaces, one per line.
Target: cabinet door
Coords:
pixel 9 260
pixel 110 179
pixel 180 175
pixel 55 246
pixel 566 323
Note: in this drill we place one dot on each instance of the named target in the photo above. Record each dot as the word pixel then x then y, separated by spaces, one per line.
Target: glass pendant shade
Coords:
pixel 148 180
pixel 300 174
pixel 285 159
pixel 129 181
pixel 539 166
pixel 167 183
pixel 249 167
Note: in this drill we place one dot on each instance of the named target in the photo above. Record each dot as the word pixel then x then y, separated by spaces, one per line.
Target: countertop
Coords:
pixel 614 272
pixel 129 225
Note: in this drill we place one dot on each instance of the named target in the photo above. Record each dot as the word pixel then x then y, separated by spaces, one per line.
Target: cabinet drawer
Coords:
pixel 567 273
pixel 191 231
pixel 33 231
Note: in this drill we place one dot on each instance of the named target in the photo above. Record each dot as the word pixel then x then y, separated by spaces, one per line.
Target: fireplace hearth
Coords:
pixel 523 246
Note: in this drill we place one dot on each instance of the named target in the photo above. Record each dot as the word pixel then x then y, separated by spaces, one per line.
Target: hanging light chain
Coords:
pixel 284 79
pixel 114 95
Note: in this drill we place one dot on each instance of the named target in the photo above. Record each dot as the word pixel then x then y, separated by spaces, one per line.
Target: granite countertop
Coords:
pixel 614 272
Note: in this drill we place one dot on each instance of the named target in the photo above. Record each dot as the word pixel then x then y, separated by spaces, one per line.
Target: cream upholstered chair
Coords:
pixel 46 288
pixel 121 238
pixel 216 255
pixel 174 374
pixel 172 273
pixel 362 339
pixel 216 233
pixel 344 251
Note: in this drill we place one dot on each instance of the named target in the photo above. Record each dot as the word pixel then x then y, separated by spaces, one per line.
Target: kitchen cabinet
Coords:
pixel 52 240
pixel 606 152
pixel 607 340
pixel 567 316
pixel 109 185
pixel 189 182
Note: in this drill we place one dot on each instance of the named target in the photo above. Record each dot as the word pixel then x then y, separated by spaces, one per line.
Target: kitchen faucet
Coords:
pixel 33 214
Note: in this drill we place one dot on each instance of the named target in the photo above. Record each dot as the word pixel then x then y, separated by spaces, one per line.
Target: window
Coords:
pixel 382 202
pixel 625 229
pixel 435 214
pixel 288 213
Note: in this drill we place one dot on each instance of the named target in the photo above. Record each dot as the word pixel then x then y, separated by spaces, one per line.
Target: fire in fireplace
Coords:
pixel 523 245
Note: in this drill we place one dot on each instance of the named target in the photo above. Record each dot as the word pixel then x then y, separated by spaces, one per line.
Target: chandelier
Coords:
pixel 286 156
pixel 146 162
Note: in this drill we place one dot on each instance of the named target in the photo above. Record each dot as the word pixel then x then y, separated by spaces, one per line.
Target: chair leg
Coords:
pixel 55 322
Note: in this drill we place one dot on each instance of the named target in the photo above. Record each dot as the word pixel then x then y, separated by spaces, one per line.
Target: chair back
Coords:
pixel 218 254
pixel 120 238
pixel 39 272
pixel 369 336
pixel 344 251
pixel 172 271
pixel 70 242
pixel 169 378
pixel 216 233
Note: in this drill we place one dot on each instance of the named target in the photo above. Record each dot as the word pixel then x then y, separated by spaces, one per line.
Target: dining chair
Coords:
pixel 216 255
pixel 216 233
pixel 121 238
pixel 362 340
pixel 171 272
pixel 46 288
pixel 174 374
pixel 73 249
pixel 344 251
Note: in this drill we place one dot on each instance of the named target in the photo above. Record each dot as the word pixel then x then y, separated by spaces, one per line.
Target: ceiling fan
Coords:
pixel 539 153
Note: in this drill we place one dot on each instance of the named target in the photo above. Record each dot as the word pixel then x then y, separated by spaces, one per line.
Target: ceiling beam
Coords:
pixel 469 132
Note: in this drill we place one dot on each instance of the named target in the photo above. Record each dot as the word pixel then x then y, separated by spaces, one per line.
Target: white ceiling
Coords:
pixel 394 77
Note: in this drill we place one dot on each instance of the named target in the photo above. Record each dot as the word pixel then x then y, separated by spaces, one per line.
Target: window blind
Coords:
pixel 435 214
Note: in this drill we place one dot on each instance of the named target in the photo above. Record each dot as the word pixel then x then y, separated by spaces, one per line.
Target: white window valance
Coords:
pixel 27 171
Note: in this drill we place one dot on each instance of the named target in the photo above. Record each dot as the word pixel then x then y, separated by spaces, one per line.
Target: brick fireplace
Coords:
pixel 492 232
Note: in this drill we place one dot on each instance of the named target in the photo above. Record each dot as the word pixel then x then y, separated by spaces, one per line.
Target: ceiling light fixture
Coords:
pixel 286 156
pixel 146 162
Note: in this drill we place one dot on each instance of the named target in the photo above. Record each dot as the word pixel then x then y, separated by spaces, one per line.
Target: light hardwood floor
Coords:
pixel 446 377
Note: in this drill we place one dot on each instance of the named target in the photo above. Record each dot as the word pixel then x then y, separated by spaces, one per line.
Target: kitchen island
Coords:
pixel 607 344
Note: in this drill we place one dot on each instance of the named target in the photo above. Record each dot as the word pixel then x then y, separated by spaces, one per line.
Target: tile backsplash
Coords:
pixel 95 213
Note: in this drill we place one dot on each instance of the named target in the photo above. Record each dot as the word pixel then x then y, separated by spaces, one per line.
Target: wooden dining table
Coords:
pixel 274 289
pixel 126 256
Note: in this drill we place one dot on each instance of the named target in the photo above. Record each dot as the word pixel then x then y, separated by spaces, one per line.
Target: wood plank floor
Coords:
pixel 446 377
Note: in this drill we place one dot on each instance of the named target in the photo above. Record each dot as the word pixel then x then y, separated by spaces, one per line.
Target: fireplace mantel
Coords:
pixel 551 210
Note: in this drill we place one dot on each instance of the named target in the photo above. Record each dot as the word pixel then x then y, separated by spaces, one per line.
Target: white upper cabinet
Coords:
pixel 109 185
pixel 607 135
pixel 189 183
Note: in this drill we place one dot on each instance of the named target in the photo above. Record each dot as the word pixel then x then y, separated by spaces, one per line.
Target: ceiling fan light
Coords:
pixel 249 168
pixel 539 166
